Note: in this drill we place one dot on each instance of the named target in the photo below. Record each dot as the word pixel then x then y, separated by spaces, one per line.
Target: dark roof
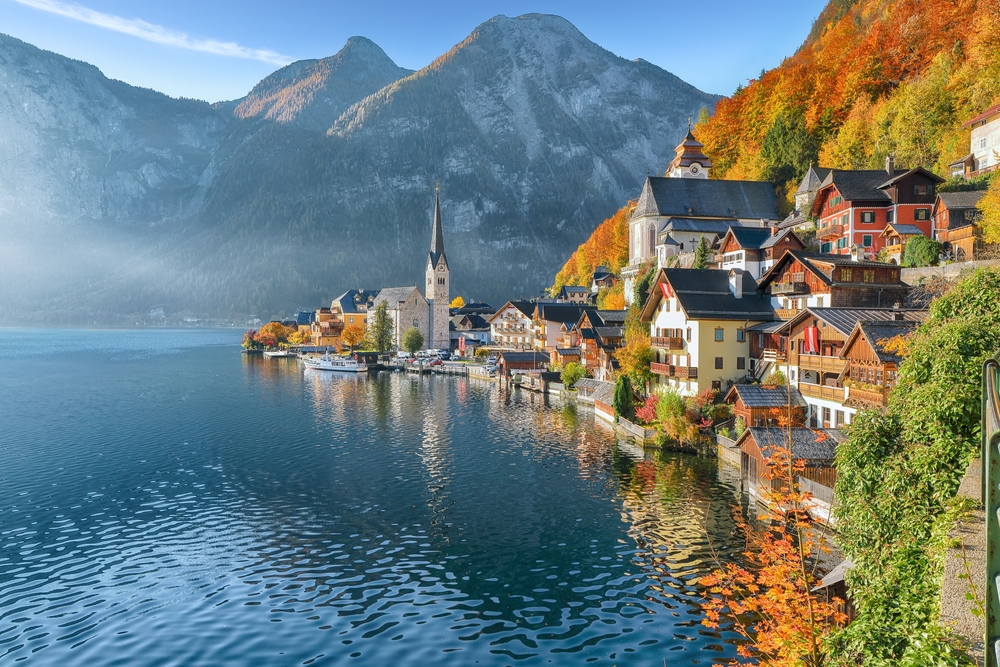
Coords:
pixel 759 396
pixel 479 307
pixel 967 199
pixel 598 389
pixel 806 443
pixel 903 230
pixel 305 318
pixel 469 321
pixel 899 175
pixel 750 237
pixel 356 300
pixel 568 351
pixel 859 184
pixel 521 357
pixel 608 316
pixel 774 238
pixel 767 327
pixel 600 272
pixel 983 116
pixel 394 295
pixel 811 260
pixel 875 332
pixel 561 312
pixel 719 227
pixel 437 235
pixel 812 180
pixel 587 333
pixel 844 319
pixel 575 288
pixel 706 198
pixel 705 294
pixel 609 332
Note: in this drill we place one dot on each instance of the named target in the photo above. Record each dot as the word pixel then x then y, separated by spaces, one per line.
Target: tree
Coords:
pixel 352 335
pixel 921 251
pixel 572 373
pixel 380 329
pixel 702 254
pixel 413 340
pixel 643 283
pixel 250 341
pixel 622 400
pixel 989 207
pixel 635 357
pixel 273 334
pixel 457 302
pixel 298 337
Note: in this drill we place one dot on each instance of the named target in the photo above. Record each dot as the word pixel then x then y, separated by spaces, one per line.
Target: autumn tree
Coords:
pixel 989 207
pixel 457 302
pixel 274 334
pixel 352 335
pixel 921 251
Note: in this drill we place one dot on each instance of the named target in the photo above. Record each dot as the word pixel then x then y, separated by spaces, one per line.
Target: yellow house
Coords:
pixel 697 323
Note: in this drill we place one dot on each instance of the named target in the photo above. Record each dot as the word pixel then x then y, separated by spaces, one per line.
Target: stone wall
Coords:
pixel 916 276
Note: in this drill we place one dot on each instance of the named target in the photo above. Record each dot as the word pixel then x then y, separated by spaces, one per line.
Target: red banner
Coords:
pixel 810 344
pixel 665 288
pixel 461 345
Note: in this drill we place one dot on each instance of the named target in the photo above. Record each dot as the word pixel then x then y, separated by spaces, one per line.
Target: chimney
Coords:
pixel 774 230
pixel 736 283
pixel 856 253
pixel 890 164
pixel 898 317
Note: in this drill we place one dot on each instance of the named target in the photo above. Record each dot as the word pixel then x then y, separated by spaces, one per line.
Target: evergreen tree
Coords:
pixel 702 254
pixel 622 401
pixel 380 329
pixel 921 251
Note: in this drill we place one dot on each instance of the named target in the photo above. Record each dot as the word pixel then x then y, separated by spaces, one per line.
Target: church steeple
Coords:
pixel 437 234
pixel 438 283
pixel 690 161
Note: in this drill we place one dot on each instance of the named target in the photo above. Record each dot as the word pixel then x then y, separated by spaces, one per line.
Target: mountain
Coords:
pixel 873 78
pixel 321 179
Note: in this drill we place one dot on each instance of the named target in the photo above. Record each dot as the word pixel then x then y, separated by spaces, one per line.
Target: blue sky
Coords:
pixel 218 49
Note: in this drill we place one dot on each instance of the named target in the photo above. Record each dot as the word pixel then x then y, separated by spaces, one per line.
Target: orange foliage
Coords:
pixel 607 246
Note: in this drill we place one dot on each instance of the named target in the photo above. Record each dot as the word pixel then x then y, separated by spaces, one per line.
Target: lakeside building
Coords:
pixel 468 332
pixel 871 362
pixel 853 207
pixel 755 249
pixel 510 326
pixel 597 334
pixel 758 405
pixel 698 320
pixel 550 321
pixel 675 212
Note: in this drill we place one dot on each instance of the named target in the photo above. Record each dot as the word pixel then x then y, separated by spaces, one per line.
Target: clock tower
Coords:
pixel 437 285
pixel 690 161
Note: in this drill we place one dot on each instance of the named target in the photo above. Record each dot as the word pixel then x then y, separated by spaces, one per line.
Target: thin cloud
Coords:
pixel 153 33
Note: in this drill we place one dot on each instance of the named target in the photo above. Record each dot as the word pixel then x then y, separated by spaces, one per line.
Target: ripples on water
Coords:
pixel 206 508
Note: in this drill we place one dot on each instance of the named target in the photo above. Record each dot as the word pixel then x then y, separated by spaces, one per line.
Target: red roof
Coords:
pixel 983 116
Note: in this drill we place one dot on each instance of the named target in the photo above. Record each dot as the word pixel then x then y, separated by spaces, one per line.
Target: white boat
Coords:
pixel 278 353
pixel 328 363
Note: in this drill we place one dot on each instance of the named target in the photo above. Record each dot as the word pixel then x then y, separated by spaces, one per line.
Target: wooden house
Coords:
pixel 895 237
pixel 564 355
pixel 516 363
pixel 758 405
pixel 805 280
pixel 755 249
pixel 956 224
pixel 550 321
pixel 871 366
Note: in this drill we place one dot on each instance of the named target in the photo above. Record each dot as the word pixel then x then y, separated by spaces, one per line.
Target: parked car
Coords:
pixel 435 362
pixel 492 369
pixel 402 354
pixel 491 360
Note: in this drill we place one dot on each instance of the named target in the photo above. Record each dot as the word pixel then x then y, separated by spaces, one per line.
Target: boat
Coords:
pixel 328 363
pixel 278 353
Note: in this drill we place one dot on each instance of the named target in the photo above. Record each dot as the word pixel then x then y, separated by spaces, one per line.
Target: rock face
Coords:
pixel 321 179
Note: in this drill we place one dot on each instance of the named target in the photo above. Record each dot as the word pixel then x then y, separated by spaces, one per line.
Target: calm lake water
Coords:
pixel 165 500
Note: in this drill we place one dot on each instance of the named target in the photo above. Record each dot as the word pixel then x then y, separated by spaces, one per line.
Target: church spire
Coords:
pixel 437 233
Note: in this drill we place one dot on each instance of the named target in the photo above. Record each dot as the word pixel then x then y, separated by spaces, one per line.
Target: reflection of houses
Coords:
pixel 755 249
pixel 894 239
pixel 698 320
pixel 816 448
pixel 871 366
pixel 511 325
pixel 805 280
pixel 758 405
pixel 956 219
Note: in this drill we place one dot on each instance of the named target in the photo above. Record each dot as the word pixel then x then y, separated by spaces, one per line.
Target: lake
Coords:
pixel 165 500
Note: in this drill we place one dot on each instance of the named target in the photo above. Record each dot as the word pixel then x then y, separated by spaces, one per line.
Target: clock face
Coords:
pixel 694 169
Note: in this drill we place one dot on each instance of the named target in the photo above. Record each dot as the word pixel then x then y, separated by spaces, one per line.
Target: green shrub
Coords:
pixel 572 373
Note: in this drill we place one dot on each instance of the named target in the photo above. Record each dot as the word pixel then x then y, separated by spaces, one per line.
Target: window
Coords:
pixel 689 334
pixel 791 345
pixel 760 340
pixel 923 189
pixel 982 142
pixel 922 214
pixel 826 416
pixel 741 363
pixel 845 275
pixel 350 320
pixel 716 385
pixel 838 416
pixel 844 219
pixel 741 336
pixel 718 363
pixel 869 276
pixel 866 240
pixel 793 375
pixel 842 242
pixel 868 216
pixel 652 238
pixel 720 335
pixel 889 215
pixel 440 281
pixel 824 247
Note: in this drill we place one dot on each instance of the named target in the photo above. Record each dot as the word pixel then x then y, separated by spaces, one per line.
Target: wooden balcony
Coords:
pixel 835 394
pixel 666 370
pixel 671 370
pixel 665 343
pixel 859 396
pixel 831 231
pixel 966 232
pixel 785 313
pixel 774 355
pixel 815 362
pixel 789 288
pixel 687 372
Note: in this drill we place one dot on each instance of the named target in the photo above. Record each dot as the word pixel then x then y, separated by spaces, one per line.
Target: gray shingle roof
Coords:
pixel 355 301
pixel 750 237
pixel 561 312
pixel 598 389
pixel 877 332
pixel 719 227
pixel 771 240
pixel 759 396
pixel 900 174
pixel 609 316
pixel 521 357
pixel 609 332
pixel 961 199
pixel 705 294
pixel 859 184
pixel 844 319
pixel 812 180
pixel 568 351
pixel 903 230
pixel 393 295
pixel 812 445
pixel 706 198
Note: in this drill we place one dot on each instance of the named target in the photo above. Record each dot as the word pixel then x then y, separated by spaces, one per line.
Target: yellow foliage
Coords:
pixel 612 298
pixel 607 246
pixel 457 302
pixel 989 206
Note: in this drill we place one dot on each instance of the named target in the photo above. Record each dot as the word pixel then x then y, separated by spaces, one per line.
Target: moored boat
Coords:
pixel 278 353
pixel 328 363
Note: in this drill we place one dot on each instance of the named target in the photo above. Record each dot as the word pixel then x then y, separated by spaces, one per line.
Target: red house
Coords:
pixel 853 207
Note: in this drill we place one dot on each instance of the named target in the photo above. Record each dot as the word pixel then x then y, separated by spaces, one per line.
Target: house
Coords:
pixel 510 327
pixel 474 308
pixel 574 294
pixel 688 206
pixel 550 321
pixel 758 405
pixel 810 357
pixel 564 355
pixel 800 219
pixel 853 207
pixel 598 334
pixel 805 280
pixel 697 321
pixel 601 277
pixel 516 363
pixel 895 236
pixel 956 218
pixel 406 307
pixel 817 448
pixel 755 249
pixel 871 363
pixel 324 331
pixel 984 145
pixel 469 332
pixel 304 320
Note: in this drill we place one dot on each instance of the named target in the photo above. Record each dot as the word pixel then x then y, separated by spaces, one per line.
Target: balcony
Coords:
pixel 670 370
pixel 815 362
pixel 868 397
pixel 664 343
pixel 835 394
pixel 785 313
pixel 966 232
pixel 832 231
pixel 773 356
pixel 687 372
pixel 789 288
pixel 666 370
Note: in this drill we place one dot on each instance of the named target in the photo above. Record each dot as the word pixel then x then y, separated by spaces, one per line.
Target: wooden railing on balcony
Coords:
pixel 816 362
pixel 785 313
pixel 821 391
pixel 662 369
pixel 832 230
pixel 667 343
pixel 671 370
pixel 966 232
pixel 789 288
pixel 774 355
pixel 877 398
pixel 687 372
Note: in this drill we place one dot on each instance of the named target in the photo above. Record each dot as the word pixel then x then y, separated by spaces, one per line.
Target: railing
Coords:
pixel 786 313
pixel 774 355
pixel 990 429
pixel 877 398
pixel 671 370
pixel 789 288
pixel 687 372
pixel 666 343
pixel 635 430
pixel 822 391
pixel 816 362
pixel 510 328
pixel 817 490
pixel 966 232
pixel 832 230
pixel 662 369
